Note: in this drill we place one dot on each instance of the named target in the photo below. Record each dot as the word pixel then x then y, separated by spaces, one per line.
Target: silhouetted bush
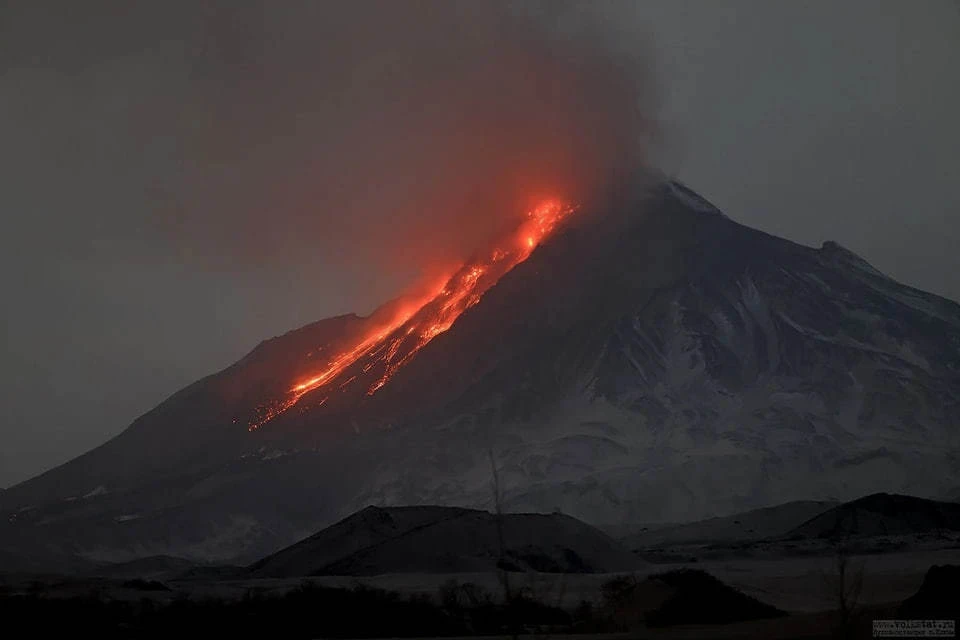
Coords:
pixel 305 611
pixel 455 595
pixel 145 585
pixel 617 590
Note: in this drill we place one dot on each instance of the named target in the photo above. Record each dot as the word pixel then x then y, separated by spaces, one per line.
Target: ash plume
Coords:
pixel 368 135
pixel 400 136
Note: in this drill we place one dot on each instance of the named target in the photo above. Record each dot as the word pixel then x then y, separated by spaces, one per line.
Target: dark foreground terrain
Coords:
pixel 154 609
pixel 798 570
pixel 776 600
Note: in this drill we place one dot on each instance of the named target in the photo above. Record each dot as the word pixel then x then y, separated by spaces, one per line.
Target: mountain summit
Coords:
pixel 648 360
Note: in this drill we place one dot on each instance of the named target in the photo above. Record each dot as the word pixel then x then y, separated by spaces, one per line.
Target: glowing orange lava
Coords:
pixel 377 356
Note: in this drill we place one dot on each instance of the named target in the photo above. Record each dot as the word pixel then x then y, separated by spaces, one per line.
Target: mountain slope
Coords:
pixel 652 361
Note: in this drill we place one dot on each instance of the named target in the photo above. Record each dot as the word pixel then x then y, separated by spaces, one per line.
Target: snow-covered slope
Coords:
pixel 654 361
pixel 697 368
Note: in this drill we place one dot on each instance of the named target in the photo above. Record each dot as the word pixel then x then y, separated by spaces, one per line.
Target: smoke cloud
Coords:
pixel 360 133
pixel 183 179
pixel 397 134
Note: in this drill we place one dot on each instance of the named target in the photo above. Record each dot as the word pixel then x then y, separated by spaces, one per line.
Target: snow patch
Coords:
pixel 99 491
pixel 126 517
pixel 692 200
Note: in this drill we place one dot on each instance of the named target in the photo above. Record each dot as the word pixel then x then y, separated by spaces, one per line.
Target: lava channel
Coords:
pixel 377 356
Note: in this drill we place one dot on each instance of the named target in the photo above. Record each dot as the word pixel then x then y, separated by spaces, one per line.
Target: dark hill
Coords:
pixel 681 597
pixel 938 597
pixel 882 514
pixel 447 540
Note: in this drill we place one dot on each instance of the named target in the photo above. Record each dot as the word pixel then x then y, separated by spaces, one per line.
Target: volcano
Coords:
pixel 640 359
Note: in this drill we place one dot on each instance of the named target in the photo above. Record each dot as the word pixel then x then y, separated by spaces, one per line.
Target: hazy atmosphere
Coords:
pixel 180 183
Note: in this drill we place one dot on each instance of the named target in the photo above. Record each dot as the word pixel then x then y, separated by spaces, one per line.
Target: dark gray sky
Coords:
pixel 179 183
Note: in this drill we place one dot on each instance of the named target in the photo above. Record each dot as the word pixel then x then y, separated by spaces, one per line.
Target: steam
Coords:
pixel 399 136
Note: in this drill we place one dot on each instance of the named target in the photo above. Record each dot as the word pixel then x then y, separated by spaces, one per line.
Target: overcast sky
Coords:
pixel 168 174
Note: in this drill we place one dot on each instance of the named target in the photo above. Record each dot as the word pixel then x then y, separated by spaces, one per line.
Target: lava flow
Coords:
pixel 378 355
